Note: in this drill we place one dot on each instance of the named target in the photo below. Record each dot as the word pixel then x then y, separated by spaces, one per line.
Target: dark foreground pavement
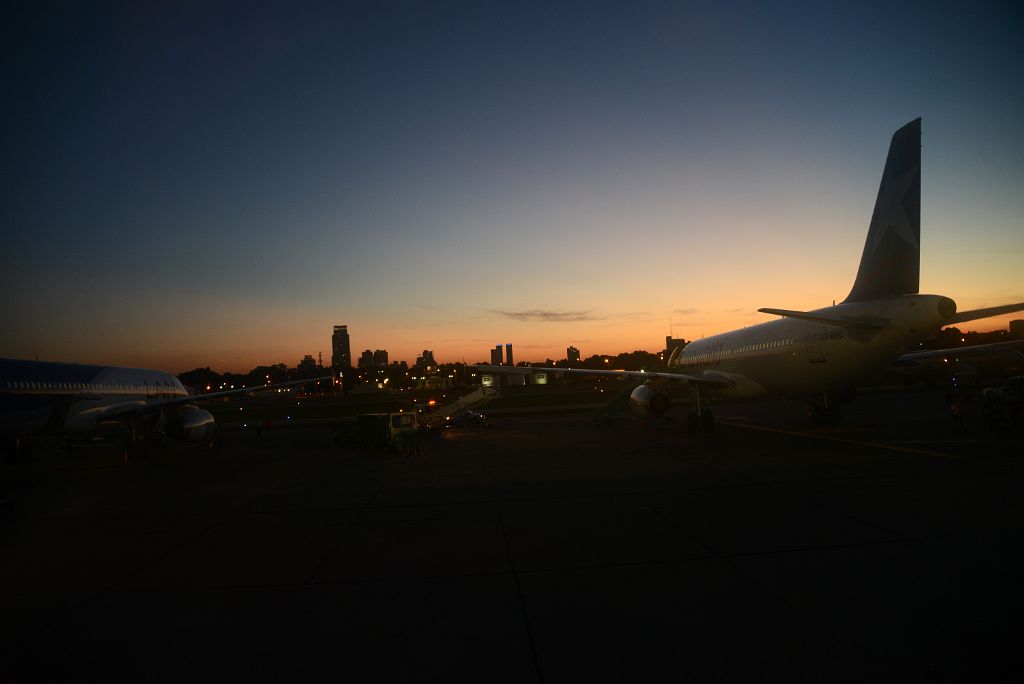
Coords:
pixel 546 550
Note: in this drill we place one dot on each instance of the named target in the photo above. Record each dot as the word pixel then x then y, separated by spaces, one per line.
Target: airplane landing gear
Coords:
pixel 701 419
pixel 829 412
pixel 704 420
pixel 139 440
pixel 16 450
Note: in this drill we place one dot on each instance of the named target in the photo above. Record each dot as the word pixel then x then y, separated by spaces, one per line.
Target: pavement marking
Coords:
pixel 891 446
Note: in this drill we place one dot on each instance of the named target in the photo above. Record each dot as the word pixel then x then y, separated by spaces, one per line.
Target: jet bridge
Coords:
pixel 475 399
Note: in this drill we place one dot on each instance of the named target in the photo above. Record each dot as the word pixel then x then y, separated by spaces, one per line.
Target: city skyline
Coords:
pixel 201 185
pixel 379 358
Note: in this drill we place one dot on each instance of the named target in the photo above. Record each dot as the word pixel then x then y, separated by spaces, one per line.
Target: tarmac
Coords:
pixel 546 549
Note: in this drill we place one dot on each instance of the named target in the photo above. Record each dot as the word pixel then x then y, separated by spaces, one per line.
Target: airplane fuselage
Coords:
pixel 799 357
pixel 37 396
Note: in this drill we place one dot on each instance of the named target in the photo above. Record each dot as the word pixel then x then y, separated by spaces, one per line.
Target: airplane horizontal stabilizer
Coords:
pixel 986 313
pixel 851 322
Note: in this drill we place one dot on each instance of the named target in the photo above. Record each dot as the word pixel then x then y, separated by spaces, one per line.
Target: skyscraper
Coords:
pixel 341 355
pixel 508 355
pixel 496 355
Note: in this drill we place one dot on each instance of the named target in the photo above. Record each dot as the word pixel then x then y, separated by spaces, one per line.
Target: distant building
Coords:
pixel 671 343
pixel 341 355
pixel 366 359
pixel 1017 329
pixel 508 355
pixel 426 360
pixel 307 366
pixel 496 355
pixel 380 358
pixel 572 355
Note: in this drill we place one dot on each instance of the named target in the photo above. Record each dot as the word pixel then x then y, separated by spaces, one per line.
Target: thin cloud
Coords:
pixel 635 315
pixel 684 312
pixel 542 316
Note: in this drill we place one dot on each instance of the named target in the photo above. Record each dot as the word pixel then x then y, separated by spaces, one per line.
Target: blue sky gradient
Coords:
pixel 219 183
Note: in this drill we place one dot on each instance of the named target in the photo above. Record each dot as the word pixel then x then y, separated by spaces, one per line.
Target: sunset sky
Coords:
pixel 193 184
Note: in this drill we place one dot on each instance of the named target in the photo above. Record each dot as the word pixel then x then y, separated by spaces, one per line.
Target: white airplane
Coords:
pixel 69 399
pixel 825 351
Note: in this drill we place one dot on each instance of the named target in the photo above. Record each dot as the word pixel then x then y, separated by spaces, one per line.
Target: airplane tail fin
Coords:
pixel 891 263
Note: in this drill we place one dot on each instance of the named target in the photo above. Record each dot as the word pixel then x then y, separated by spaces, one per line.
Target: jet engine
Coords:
pixel 189 424
pixel 648 402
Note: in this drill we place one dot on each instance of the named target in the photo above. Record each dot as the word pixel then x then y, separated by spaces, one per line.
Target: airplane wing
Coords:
pixel 135 408
pixel 1003 349
pixel 716 380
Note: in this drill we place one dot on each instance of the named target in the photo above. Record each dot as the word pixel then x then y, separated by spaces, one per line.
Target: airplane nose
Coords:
pixel 947 308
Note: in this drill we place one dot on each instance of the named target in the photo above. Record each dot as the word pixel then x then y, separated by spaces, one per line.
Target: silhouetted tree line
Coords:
pixel 206 380
pixel 635 360
pixel 399 375
pixel 949 338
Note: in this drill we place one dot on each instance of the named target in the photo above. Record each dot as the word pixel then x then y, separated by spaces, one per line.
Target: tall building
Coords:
pixel 341 354
pixel 1017 329
pixel 366 359
pixel 380 358
pixel 572 355
pixel 496 355
pixel 508 355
